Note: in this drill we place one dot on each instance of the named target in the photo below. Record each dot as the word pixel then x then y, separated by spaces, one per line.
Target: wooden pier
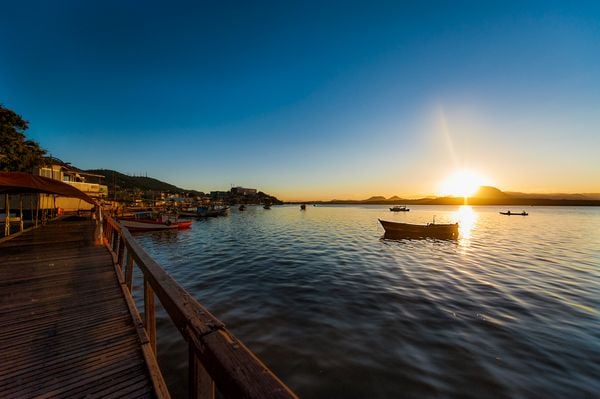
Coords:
pixel 65 327
pixel 69 326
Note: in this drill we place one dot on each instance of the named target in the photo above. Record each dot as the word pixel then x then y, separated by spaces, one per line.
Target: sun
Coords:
pixel 462 183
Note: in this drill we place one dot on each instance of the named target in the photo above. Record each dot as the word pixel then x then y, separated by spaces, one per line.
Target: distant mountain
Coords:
pixel 489 192
pixel 375 199
pixel 487 195
pixel 114 179
pixel 557 196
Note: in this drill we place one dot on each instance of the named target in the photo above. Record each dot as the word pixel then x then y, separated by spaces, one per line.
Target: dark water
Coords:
pixel 511 309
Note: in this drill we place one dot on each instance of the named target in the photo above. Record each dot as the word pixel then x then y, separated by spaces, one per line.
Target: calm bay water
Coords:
pixel 511 309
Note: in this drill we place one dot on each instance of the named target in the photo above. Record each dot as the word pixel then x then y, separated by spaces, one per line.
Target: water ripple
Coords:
pixel 511 309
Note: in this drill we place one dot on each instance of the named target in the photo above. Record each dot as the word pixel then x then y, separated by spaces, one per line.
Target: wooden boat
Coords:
pixel 242 207
pixel 188 212
pixel 399 209
pixel 395 230
pixel 212 211
pixel 267 206
pixel 303 207
pixel 145 221
pixel 509 213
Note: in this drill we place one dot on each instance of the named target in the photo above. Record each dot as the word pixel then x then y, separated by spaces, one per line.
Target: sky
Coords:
pixel 312 100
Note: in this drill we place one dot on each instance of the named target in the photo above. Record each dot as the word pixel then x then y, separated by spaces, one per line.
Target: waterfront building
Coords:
pixel 91 184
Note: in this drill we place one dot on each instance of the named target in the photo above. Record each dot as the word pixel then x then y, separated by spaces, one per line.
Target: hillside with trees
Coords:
pixel 122 182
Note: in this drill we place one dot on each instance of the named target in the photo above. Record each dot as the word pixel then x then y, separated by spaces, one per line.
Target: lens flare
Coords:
pixel 462 183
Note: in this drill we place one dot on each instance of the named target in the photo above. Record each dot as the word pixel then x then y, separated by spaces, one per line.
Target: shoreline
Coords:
pixel 459 201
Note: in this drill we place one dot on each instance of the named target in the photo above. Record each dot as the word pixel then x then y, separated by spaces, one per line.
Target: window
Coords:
pixel 46 172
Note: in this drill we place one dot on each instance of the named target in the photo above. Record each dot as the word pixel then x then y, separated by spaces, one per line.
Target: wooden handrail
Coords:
pixel 216 357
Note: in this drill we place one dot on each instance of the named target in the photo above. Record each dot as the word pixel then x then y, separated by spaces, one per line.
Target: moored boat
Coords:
pixel 212 211
pixel 399 209
pixel 396 230
pixel 509 213
pixel 242 207
pixel 145 221
pixel 303 207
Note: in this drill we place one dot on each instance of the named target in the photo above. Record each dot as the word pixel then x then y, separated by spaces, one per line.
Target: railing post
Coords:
pixel 129 272
pixel 115 241
pixel 201 386
pixel 121 252
pixel 149 316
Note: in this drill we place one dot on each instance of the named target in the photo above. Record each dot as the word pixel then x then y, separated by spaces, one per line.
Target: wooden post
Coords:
pixel 121 252
pixel 7 217
pixel 37 209
pixel 149 315
pixel 115 240
pixel 129 272
pixel 201 386
pixel 21 204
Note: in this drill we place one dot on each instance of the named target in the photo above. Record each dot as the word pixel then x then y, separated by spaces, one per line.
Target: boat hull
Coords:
pixel 150 225
pixel 395 230
pixel 514 214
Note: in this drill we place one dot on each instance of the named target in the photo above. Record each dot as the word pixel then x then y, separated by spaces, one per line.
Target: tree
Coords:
pixel 17 154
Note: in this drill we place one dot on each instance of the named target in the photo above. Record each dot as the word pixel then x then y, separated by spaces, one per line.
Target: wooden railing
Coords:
pixel 216 357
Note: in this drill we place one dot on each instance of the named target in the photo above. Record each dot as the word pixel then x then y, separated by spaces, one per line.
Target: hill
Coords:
pixel 121 181
pixel 376 198
pixel 488 192
pixel 487 195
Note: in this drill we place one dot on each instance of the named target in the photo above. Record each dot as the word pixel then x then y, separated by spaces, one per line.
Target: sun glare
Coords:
pixel 462 183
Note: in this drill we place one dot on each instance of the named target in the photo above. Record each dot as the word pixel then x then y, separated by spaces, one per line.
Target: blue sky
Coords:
pixel 312 100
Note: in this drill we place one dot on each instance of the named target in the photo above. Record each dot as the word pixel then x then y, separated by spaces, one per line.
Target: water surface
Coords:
pixel 510 309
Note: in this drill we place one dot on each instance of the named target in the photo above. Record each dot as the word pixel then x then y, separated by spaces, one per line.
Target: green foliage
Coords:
pixel 17 154
pixel 121 181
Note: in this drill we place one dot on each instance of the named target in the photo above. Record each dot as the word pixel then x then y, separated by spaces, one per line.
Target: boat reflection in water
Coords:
pixel 398 231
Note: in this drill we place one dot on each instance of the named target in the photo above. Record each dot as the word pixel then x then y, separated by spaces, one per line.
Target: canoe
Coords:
pixel 509 213
pixel 395 230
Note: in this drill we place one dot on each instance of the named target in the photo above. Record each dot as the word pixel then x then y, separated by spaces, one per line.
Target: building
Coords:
pixel 219 195
pixel 91 184
pixel 243 191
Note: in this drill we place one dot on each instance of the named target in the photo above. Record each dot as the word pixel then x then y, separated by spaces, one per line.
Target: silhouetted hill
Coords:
pixel 557 196
pixel 375 199
pixel 489 192
pixel 125 182
pixel 487 195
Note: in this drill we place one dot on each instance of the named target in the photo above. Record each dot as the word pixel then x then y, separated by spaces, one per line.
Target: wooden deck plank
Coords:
pixel 65 328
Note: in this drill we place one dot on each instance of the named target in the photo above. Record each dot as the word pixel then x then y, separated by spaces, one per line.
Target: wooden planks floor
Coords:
pixel 65 329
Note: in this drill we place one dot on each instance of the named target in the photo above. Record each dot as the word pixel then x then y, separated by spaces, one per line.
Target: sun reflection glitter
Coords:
pixel 466 217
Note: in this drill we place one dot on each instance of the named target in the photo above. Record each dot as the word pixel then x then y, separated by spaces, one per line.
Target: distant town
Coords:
pixel 117 189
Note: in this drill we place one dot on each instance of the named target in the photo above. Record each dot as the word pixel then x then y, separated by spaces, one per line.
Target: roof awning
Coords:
pixel 25 183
